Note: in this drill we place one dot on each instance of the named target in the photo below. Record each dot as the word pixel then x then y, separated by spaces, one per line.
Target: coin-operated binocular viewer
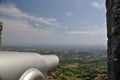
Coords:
pixel 25 66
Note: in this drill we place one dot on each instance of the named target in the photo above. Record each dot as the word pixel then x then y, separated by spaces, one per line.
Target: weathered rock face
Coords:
pixel 1 27
pixel 113 28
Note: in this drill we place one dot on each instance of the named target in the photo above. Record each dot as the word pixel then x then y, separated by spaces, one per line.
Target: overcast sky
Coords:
pixel 53 22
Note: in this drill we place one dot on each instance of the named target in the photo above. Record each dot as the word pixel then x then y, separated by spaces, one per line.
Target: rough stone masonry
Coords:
pixel 113 34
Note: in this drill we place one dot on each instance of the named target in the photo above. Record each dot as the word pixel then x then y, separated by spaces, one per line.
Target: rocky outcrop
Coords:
pixel 1 27
pixel 113 34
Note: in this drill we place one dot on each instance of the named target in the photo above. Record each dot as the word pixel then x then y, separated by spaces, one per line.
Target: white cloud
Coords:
pixel 91 30
pixel 70 14
pixel 80 32
pixel 66 27
pixel 12 11
pixel 37 25
pixel 21 32
pixel 18 30
pixel 52 19
pixel 97 35
pixel 97 5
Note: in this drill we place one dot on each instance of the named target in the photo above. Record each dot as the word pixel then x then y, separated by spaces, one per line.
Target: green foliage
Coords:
pixel 68 73
pixel 82 68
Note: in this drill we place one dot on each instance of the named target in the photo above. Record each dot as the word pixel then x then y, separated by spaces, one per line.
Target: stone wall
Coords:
pixel 113 34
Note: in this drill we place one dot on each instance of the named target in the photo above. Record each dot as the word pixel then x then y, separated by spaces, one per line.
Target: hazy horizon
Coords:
pixel 57 46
